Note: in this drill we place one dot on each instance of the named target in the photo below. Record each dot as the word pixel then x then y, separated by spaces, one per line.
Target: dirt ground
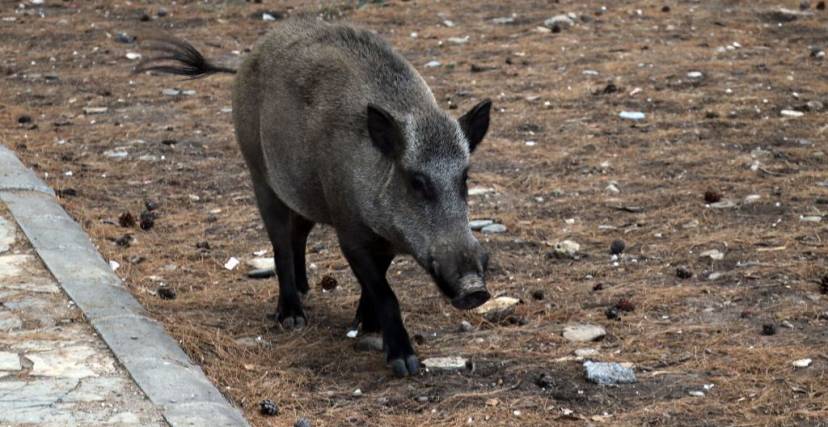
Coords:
pixel 591 177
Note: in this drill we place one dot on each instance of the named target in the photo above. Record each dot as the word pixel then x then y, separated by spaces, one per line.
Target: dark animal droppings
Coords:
pixel 166 293
pixel 769 329
pixel 665 9
pixel 537 294
pixel 24 119
pixel 66 192
pixel 147 220
pixel 683 273
pixel 268 408
pixel 820 5
pixel 612 313
pixel 328 283
pixel 625 305
pixel 126 220
pixel 617 247
pixel 712 196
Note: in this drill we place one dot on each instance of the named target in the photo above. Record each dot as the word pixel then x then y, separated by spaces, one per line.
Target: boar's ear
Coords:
pixel 385 131
pixel 475 123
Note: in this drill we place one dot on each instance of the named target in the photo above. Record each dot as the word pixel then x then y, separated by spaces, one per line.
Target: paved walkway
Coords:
pixel 54 369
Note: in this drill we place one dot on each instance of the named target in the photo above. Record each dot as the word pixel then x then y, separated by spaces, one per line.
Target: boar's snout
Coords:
pixel 459 272
pixel 472 293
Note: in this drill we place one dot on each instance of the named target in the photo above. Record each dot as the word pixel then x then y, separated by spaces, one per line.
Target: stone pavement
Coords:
pixel 54 369
pixel 64 373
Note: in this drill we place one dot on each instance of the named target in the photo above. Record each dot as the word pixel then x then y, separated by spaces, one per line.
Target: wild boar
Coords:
pixel 337 128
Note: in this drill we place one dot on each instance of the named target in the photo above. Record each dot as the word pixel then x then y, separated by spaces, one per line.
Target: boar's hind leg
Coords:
pixel 369 259
pixel 283 227
pixel 300 228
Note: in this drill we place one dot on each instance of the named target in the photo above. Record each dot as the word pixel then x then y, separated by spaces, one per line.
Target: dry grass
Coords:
pixel 682 334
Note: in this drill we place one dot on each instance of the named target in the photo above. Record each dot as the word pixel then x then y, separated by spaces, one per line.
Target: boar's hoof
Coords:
pixel 409 365
pixel 293 322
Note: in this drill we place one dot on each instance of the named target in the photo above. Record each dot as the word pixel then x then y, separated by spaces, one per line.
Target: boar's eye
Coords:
pixel 464 185
pixel 422 186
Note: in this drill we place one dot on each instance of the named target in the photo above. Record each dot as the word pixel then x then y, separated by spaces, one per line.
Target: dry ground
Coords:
pixel 698 135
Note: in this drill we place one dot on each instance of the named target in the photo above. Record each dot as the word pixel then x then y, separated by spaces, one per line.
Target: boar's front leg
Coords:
pixel 369 257
pixel 287 230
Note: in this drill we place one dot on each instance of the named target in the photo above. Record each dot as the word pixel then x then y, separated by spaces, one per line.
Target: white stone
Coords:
pixel 497 308
pixel 811 218
pixel 560 21
pixel 231 263
pixel 713 254
pixel 95 110
pixel 791 113
pixel 752 198
pixel 696 393
pixel 432 64
pixel 695 75
pixel 632 115
pixel 133 55
pixel 452 363
pixel 584 333
pixel 9 361
pixel 802 363
pixel 116 154
pixel 459 40
pixel 477 191
pixel 261 263
pixel 567 248
pixel 586 352
pixel 493 229
pixel 478 224
pixel 6 235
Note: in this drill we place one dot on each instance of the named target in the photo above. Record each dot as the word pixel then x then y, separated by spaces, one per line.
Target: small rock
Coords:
pixel 150 205
pixel 714 275
pixel 712 196
pixel 465 326
pixel 231 263
pixel 261 263
pixel 612 188
pixel 459 40
pixel 617 247
pixel 559 22
pixel 696 393
pixel 357 393
pixel 695 75
pixel 116 154
pixel 328 283
pixel 583 333
pixel 493 229
pixel 752 198
pixel 114 265
pixel 632 115
pixel 302 422
pixel 161 12
pixel 170 92
pixel 432 64
pixel 791 113
pixel 261 273
pixel 814 105
pixel 586 352
pixel 477 191
pixel 713 254
pixel 268 408
pixel 478 224
pixel 124 241
pixel 802 363
pixel 787 324
pixel 133 55
pixel 504 20
pixel 810 218
pixel 446 364
pixel 166 292
pixel 95 110
pixel 566 249
pixel 608 373
pixel 769 329
pixel 612 313
pixel 724 204
pixel 124 38
pixel 497 309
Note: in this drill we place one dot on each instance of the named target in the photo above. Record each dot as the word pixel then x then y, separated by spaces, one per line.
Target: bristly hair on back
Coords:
pixel 175 56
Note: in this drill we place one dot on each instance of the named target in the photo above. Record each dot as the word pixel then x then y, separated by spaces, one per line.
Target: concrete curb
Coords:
pixel 153 359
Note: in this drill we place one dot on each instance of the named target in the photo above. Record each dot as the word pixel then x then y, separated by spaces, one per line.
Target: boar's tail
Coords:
pixel 175 56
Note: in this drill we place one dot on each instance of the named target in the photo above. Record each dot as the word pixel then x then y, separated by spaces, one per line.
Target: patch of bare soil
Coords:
pixel 590 176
